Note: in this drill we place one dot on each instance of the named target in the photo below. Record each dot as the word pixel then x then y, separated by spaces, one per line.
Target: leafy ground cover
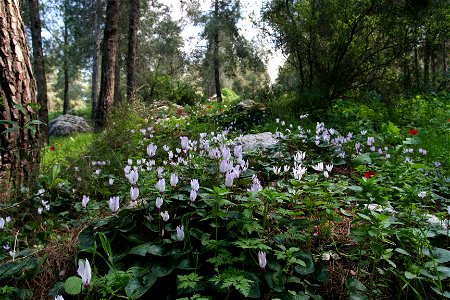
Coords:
pixel 164 204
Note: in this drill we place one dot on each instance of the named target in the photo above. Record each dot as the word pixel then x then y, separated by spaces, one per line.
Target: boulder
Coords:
pixel 249 105
pixel 252 142
pixel 65 125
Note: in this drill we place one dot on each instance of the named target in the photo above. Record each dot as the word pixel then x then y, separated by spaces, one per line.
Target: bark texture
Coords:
pixel 109 61
pixel 216 55
pixel 132 49
pixel 39 68
pixel 19 147
pixel 96 53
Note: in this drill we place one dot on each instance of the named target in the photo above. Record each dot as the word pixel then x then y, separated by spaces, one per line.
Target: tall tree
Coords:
pixel 133 27
pixel 96 52
pixel 39 68
pixel 20 146
pixel 109 61
pixel 216 61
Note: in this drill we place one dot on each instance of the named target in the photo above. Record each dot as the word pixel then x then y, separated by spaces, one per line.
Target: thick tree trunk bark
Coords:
pixel 66 66
pixel 19 148
pixel 39 68
pixel 109 61
pixel 96 54
pixel 216 55
pixel 132 50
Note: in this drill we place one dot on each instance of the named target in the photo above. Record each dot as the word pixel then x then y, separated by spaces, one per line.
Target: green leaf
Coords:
pixel 72 286
pixel 409 275
pixel 134 289
pixel 362 159
pixel 355 188
pixel 402 251
pixel 440 292
pixel 354 285
pixel 150 248
pixel 308 267
pixel 440 255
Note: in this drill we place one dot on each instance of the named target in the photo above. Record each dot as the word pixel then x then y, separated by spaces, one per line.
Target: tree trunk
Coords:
pixel 109 61
pixel 19 148
pixel 39 68
pixel 96 54
pixel 66 63
pixel 426 64
pixel 216 55
pixel 132 50
pixel 117 96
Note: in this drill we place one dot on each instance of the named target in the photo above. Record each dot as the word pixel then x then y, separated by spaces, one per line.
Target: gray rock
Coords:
pixel 65 125
pixel 252 142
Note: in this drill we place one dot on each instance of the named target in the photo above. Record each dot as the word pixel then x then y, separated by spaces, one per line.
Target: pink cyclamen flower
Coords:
pixel 159 202
pixel 84 201
pixel 113 204
pixel 84 270
pixel 173 180
pixel 262 259
pixel 134 193
pixel 133 177
pixel 195 185
pixel 193 195
pixel 180 233
pixel 165 216
pixel 161 185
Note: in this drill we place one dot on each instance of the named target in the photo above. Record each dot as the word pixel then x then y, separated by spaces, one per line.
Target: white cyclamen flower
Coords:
pixel 193 195
pixel 422 194
pixel 180 233
pixel 113 204
pixel 133 177
pixel 262 260
pixel 173 180
pixel 165 216
pixel 84 201
pixel 318 167
pixel 159 202
pixel 195 185
pixel 2 223
pixel 329 167
pixel 84 270
pixel 134 193
pixel 161 185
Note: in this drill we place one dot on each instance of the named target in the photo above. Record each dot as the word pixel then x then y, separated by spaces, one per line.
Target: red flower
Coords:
pixel 413 131
pixel 52 148
pixel 369 174
pixel 208 107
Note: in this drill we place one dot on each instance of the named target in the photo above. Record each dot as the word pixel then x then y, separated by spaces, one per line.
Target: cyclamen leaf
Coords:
pixel 72 286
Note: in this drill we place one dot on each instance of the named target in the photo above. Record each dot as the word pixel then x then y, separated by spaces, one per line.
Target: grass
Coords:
pixel 365 223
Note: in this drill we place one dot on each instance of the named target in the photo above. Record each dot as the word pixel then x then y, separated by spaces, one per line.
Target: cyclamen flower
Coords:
pixel 159 172
pixel 40 210
pixel 437 164
pixel 422 194
pixel 299 156
pixel 111 181
pixel 286 168
pixel 262 260
pixel 193 195
pixel 161 185
pixel 329 167
pixel 180 233
pixel 84 270
pixel 173 180
pixel 165 216
pixel 369 174
pixel 134 193
pixel 159 202
pixel 8 219
pixel 113 204
pixel 370 140
pixel 318 167
pixel 130 161
pixel 326 174
pixel 229 178
pixel 276 170
pixel 225 166
pixel 2 223
pixel 151 150
pixel 84 201
pixel 238 151
pixel 195 185
pixel 133 177
pixel 184 142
